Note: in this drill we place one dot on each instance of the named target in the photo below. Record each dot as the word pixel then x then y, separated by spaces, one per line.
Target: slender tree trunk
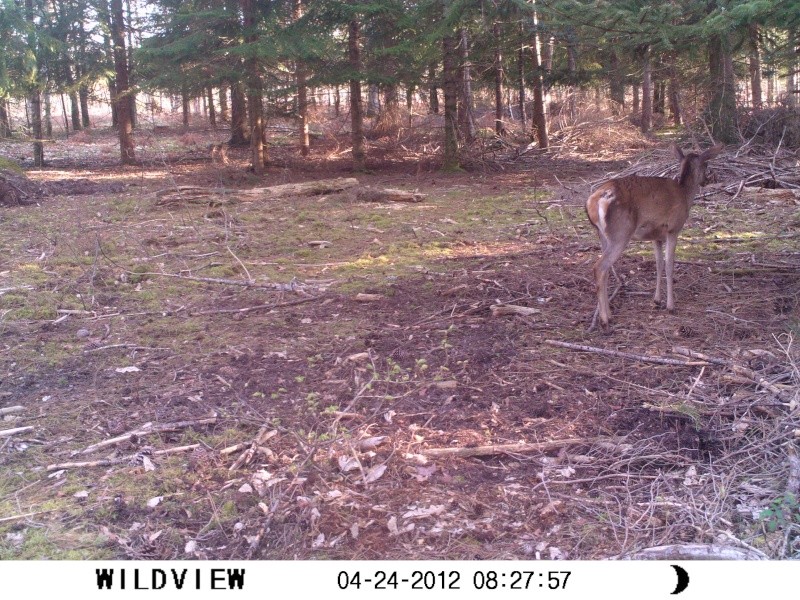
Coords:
pixel 337 100
pixel 34 104
pixel 373 100
pixel 83 96
pixel 121 98
pixel 212 111
pixel 433 95
pixel 523 117
pixel 255 109
pixel 539 118
pixel 356 104
pixel 647 92
pixel 754 65
pixel 223 103
pixel 572 68
pixel 73 99
pixel 635 103
pixel 466 117
pixel 673 93
pixel 64 110
pixel 48 121
pixel 498 81
pixel 722 106
pixel 240 134
pixel 302 93
pixel 5 126
pixel 186 106
pixel 451 159
pixel 617 84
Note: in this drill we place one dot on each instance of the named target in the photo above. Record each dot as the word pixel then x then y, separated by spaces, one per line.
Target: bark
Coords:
pixel 498 81
pixel 754 65
pixel 223 103
pixel 433 95
pixel 302 93
pixel 722 105
pixel 673 94
pixel 5 125
pixel 572 61
pixel 255 108
pixel 617 84
pixel 539 118
pixel 240 134
pixel 337 100
pixel 523 117
pixel 122 98
pixel 212 111
pixel 186 106
pixel 450 75
pixel 83 96
pixel 356 104
pixel 373 100
pixel 466 117
pixel 34 104
pixel 647 93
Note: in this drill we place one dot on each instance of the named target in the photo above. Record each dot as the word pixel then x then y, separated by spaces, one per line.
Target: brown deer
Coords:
pixel 644 208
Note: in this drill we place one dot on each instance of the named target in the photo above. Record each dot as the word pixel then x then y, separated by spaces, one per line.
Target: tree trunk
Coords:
pixel 616 84
pixel 466 116
pixel 635 103
pixel 523 117
pixel 83 96
pixel 223 103
pixel 240 134
pixel 34 104
pixel 722 105
pixel 433 95
pixel 212 111
pixel 48 121
pixel 5 125
pixel 337 100
pixel 186 106
pixel 499 129
pixel 356 105
pixel 673 94
pixel 450 76
pixel 754 65
pixel 539 119
pixel 373 100
pixel 302 93
pixel 121 98
pixel 647 92
pixel 572 68
pixel 255 109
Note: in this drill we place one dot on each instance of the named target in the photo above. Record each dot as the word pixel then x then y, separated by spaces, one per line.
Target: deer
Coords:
pixel 649 209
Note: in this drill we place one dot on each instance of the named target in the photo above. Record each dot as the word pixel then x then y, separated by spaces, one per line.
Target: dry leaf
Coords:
pixel 153 502
pixel 374 474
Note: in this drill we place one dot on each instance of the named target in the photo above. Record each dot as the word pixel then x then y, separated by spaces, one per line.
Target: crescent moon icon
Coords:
pixel 683 579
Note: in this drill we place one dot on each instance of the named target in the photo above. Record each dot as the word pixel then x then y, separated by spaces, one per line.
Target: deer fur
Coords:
pixel 645 208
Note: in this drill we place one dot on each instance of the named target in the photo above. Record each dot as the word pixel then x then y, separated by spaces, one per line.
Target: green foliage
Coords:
pixel 782 512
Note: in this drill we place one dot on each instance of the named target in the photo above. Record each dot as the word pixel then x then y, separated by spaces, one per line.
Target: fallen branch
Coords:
pixel 512 309
pixel 148 429
pixel 638 357
pixel 278 287
pixel 519 448
pixel 368 194
pixel 204 195
pixel 248 309
pixel 107 462
pixel 11 409
pixel 695 552
pixel 740 370
pixel 15 431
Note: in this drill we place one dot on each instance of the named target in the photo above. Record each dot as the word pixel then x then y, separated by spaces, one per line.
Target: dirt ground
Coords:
pixel 280 397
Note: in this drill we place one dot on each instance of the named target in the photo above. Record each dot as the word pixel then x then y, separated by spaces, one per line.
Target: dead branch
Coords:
pixel 148 429
pixel 107 462
pixel 368 194
pixel 204 195
pixel 638 357
pixel 512 309
pixel 248 309
pixel 518 448
pixel 15 431
pixel 263 435
pixel 11 409
pixel 696 552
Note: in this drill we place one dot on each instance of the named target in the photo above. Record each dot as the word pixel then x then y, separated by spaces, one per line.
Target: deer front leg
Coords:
pixel 658 249
pixel 672 242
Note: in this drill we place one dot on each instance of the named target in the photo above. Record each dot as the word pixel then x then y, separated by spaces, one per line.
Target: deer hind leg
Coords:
pixel 611 252
pixel 672 242
pixel 658 249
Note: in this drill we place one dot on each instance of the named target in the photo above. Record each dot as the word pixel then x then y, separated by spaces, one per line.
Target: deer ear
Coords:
pixel 677 152
pixel 712 152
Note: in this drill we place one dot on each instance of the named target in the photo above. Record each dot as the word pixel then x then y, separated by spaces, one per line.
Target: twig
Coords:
pixel 15 431
pixel 638 357
pixel 107 462
pixel 519 447
pixel 259 307
pixel 148 429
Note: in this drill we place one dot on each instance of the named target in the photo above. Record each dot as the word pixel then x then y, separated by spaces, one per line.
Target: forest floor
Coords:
pixel 364 410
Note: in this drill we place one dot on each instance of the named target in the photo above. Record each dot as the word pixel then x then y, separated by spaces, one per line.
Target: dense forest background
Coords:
pixel 535 63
